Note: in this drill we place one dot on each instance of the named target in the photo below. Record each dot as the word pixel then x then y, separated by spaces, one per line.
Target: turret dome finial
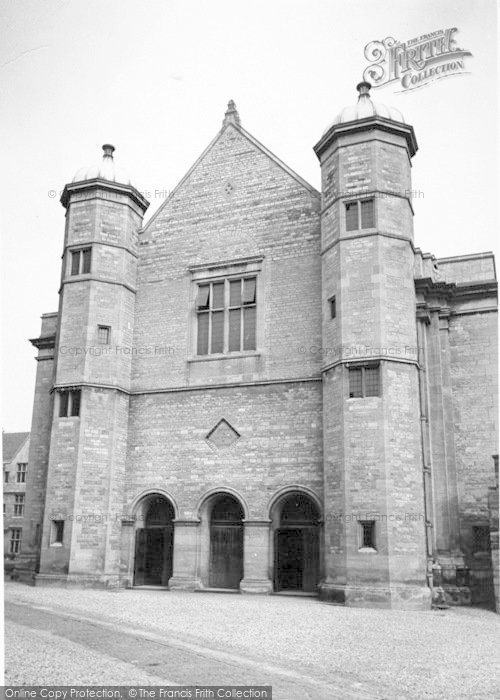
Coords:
pixel 364 89
pixel 108 150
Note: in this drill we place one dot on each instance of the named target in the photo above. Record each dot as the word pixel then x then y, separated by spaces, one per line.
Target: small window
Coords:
pixel 6 477
pixel 360 215
pixel 367 534
pixel 351 216
pixel 367 213
pixel 481 539
pixel 69 403
pixel 364 381
pixel 103 335
pixel 355 382
pixel 63 403
pixel 80 261
pixel 371 376
pixel 75 403
pixel 57 531
pixel 15 540
pixel 22 468
pixel 333 307
pixel 18 505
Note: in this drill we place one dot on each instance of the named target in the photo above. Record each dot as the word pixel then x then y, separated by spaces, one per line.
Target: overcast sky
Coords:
pixel 154 77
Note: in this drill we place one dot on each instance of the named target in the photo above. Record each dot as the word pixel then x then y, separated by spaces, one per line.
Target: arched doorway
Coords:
pixel 154 540
pixel 296 545
pixel 226 543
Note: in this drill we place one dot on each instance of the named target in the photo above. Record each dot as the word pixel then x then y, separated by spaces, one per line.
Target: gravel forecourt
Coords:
pixel 433 654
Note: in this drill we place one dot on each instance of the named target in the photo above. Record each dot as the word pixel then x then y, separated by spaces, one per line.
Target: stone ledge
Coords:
pixel 259 586
pixel 78 580
pixel 401 597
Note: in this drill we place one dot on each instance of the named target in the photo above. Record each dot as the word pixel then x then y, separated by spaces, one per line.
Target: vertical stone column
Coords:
pixel 29 559
pixel 256 557
pixel 127 552
pixel 444 474
pixel 423 319
pixel 449 437
pixel 186 549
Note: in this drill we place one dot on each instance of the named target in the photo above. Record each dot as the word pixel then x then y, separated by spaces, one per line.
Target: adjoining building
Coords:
pixel 266 388
pixel 15 452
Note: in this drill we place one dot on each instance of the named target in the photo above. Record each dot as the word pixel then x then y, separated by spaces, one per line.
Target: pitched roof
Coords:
pixel 12 443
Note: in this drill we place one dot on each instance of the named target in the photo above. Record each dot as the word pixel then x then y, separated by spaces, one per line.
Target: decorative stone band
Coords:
pixel 365 234
pixel 96 241
pixel 369 359
pixel 93 278
pixel 106 185
pixel 368 124
pixel 44 342
pixel 178 389
pixel 366 194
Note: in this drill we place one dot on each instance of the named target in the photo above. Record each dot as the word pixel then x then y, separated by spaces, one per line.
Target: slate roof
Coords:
pixel 12 443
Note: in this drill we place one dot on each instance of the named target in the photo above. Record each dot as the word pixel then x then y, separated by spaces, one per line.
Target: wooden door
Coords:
pixel 153 556
pixel 226 555
pixel 289 559
pixel 297 559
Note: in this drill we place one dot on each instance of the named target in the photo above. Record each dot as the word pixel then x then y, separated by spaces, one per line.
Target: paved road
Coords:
pixel 65 649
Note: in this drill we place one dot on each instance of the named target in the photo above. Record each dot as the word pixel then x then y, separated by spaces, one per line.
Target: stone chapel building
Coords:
pixel 266 388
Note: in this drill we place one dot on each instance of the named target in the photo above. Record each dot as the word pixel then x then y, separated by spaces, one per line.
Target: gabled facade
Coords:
pixel 265 388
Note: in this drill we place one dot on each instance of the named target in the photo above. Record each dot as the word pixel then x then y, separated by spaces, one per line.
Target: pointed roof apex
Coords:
pixel 231 116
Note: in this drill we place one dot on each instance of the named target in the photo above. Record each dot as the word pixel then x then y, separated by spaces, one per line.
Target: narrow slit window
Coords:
pixel 333 307
pixel 103 335
pixel 57 531
pixel 367 534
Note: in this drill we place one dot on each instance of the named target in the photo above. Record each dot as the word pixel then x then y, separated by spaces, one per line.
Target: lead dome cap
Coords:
pixel 364 108
pixel 105 170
